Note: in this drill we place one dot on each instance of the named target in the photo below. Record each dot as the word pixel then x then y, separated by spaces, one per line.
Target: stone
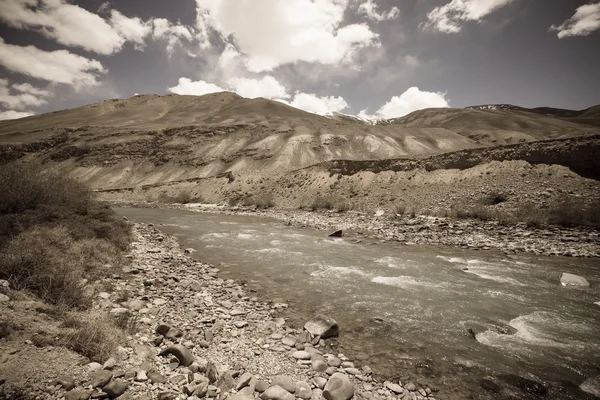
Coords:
pixel 162 329
pixel 338 387
pixel 261 386
pixel 241 324
pixel 323 326
pixel 241 396
pixel 591 386
pixel 410 386
pixel 225 382
pixel 338 233
pixel 100 378
pixel 351 371
pixel 110 363
pixel 303 390
pixel 490 385
pixel 76 395
pixel 394 387
pixel 4 298
pixel 155 377
pixel 115 388
pixel 289 341
pixel 201 387
pixel 119 310
pixel 319 382
pixel 301 355
pixel 243 381
pixel 64 382
pixel 141 376
pixel 173 333
pixel 334 362
pixel 567 279
pixel 183 354
pixel 285 382
pixel 136 305
pixel 189 389
pixel 277 393
pixel 211 372
pixel 319 365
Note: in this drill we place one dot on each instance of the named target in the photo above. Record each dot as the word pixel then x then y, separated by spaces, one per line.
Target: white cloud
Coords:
pixel 55 66
pixel 450 17
pixel 411 100
pixel 173 33
pixel 130 29
pixel 196 88
pixel 267 87
pixel 28 97
pixel 275 32
pixel 585 21
pixel 369 9
pixel 68 24
pixel 11 114
pixel 319 105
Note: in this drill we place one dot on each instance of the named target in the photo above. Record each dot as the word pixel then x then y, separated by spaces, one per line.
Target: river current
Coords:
pixel 406 310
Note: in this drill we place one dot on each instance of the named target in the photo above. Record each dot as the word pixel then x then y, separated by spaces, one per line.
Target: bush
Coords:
pixel 53 235
pixel 94 335
pixel 181 198
pixel 262 201
pixel 494 198
pixel 331 202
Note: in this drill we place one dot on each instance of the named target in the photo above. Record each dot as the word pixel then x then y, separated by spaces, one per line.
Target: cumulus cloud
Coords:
pixel 130 29
pixel 275 32
pixel 196 88
pixel 68 24
pixel 585 21
pixel 318 105
pixel 267 87
pixel 450 17
pixel 12 114
pixel 369 9
pixel 411 100
pixel 28 95
pixel 55 66
pixel 174 34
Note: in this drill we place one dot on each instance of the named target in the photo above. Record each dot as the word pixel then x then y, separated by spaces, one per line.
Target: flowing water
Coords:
pixel 404 310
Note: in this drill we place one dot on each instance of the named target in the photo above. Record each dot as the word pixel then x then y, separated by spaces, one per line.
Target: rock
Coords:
pixel 526 385
pixel 225 382
pixel 173 333
pixel 119 310
pixel 319 382
pixel 490 385
pixel 394 387
pixel 110 363
pixel 241 396
pixel 351 371
pixel 591 386
pixel 243 381
pixel 64 382
pixel 183 354
pixel 136 305
pixel 261 386
pixel 4 298
pixel 211 372
pixel 567 279
pixel 301 355
pixel 277 393
pixel 334 362
pixel 410 386
pixel 319 365
pixel 323 326
pixel 94 366
pixel 289 341
pixel 162 329
pixel 100 378
pixel 285 382
pixel 189 389
pixel 201 387
pixel 76 395
pixel 155 377
pixel 338 387
pixel 141 376
pixel 303 390
pixel 115 388
pixel 338 233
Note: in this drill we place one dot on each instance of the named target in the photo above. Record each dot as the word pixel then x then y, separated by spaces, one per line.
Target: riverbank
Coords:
pixel 423 230
pixel 217 339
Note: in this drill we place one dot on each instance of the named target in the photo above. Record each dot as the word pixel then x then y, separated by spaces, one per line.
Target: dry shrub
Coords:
pixel 180 198
pixel 262 201
pixel 493 198
pixel 330 202
pixel 94 335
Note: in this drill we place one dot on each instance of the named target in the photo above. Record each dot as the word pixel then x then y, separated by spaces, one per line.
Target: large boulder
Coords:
pixel 277 393
pixel 567 279
pixel 338 387
pixel 323 326
pixel 183 354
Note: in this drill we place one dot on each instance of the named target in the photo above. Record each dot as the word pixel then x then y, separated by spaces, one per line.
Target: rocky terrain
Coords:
pixel 196 336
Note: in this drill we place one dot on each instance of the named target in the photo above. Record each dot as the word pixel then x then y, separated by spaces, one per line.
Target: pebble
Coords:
pixel 285 382
pixel 301 355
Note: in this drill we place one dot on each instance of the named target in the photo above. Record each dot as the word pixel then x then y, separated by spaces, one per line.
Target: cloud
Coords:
pixel 11 114
pixel 369 9
pixel 319 105
pixel 196 88
pixel 173 33
pixel 585 21
pixel 450 17
pixel 267 87
pixel 271 33
pixel 411 100
pixel 55 66
pixel 28 96
pixel 130 29
pixel 68 24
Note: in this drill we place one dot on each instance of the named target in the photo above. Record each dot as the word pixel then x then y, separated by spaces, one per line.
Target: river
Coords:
pixel 405 310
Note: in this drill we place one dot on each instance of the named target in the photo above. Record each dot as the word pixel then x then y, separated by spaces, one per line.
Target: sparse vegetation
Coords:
pixel 94 335
pixel 182 197
pixel 330 202
pixel 262 201
pixel 494 198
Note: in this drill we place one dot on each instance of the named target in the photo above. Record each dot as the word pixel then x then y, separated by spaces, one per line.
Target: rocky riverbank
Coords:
pixel 425 230
pixel 202 336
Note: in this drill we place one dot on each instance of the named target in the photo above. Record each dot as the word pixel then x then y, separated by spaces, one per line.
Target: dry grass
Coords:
pixel 262 201
pixel 94 335
pixel 330 202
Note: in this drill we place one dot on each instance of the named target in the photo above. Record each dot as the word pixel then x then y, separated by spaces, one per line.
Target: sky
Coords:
pixel 371 58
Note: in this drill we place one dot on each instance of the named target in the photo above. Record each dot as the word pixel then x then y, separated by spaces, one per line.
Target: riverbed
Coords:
pixel 406 310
